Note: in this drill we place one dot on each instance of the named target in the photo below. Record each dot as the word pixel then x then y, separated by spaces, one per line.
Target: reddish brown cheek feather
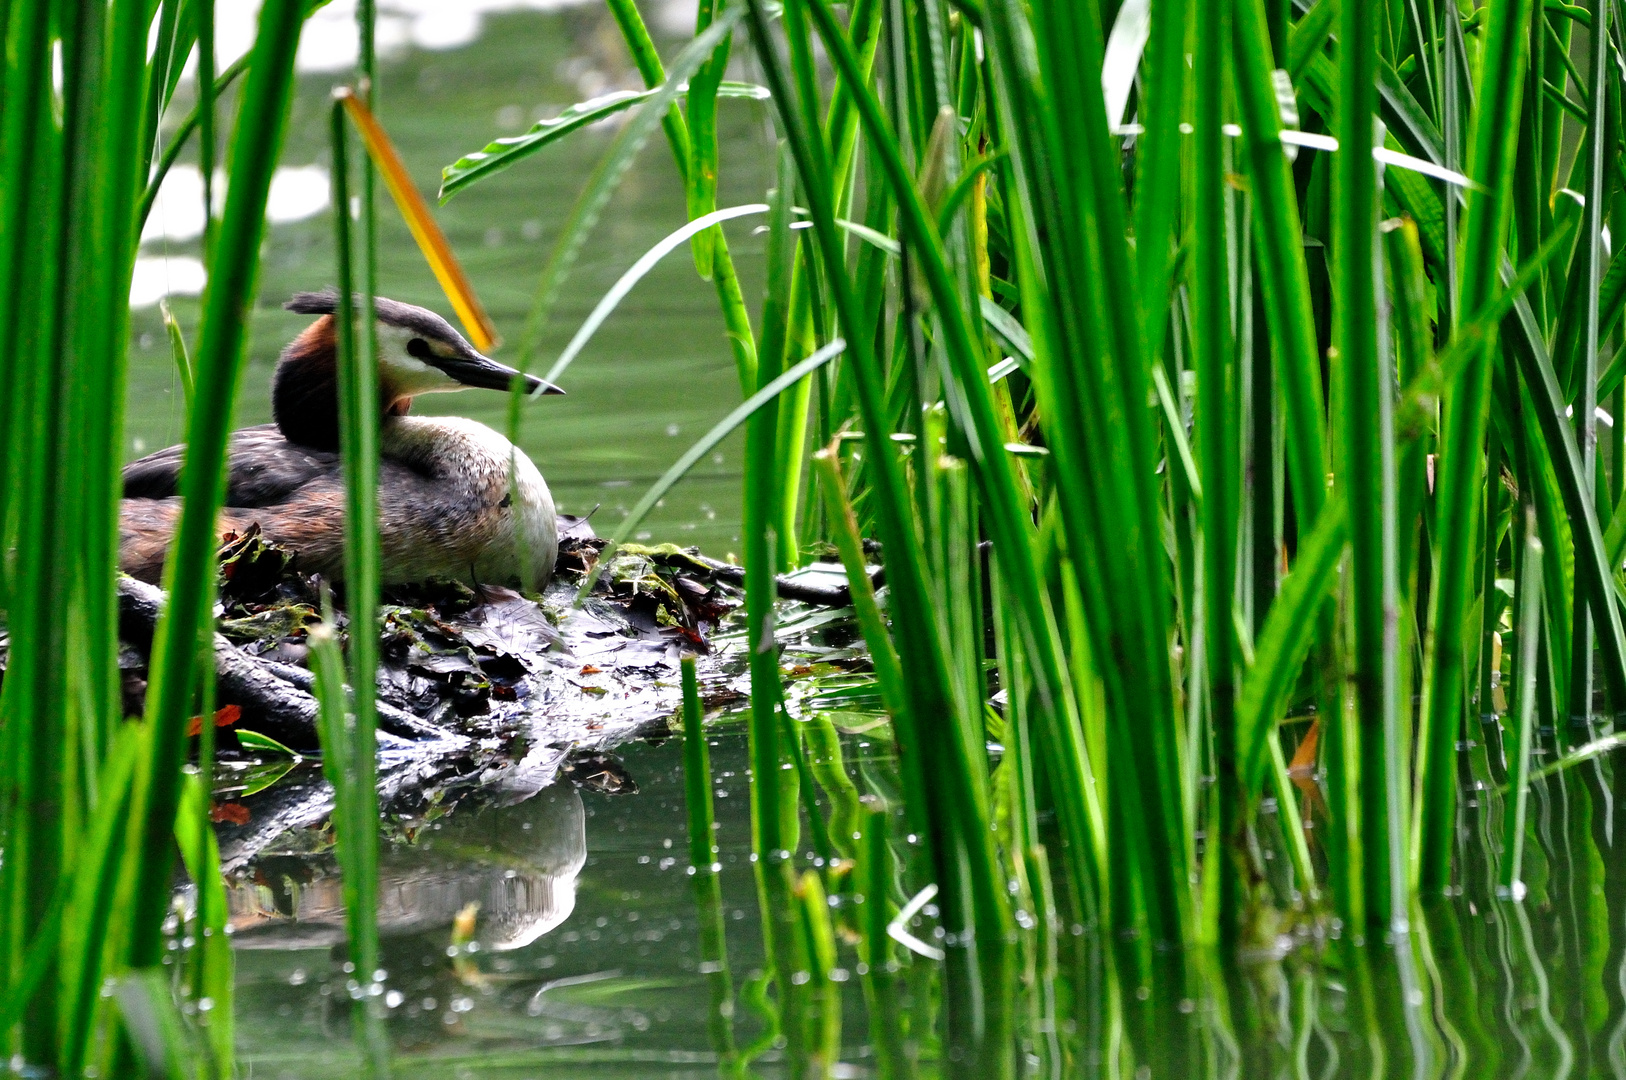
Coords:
pixel 399 408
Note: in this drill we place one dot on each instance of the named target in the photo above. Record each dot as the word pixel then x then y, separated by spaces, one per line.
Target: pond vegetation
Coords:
pixel 1176 626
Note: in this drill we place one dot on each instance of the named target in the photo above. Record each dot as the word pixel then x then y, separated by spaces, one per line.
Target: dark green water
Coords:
pixel 609 981
pixel 614 984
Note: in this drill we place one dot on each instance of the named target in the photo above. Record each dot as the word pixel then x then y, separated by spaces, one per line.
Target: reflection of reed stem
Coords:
pixel 876 973
pixel 708 891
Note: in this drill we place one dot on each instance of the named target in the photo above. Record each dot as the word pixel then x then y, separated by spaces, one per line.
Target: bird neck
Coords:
pixel 305 389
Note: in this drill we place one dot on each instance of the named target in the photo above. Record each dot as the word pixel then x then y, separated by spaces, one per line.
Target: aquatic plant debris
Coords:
pixel 483 692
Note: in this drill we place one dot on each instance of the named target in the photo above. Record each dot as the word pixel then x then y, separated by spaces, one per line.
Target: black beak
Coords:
pixel 486 374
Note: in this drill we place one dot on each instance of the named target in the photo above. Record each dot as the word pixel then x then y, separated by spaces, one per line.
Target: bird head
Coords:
pixel 418 353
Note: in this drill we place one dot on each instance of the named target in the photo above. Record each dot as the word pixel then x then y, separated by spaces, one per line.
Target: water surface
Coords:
pixel 586 936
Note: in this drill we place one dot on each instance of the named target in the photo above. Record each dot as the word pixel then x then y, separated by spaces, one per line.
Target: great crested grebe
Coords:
pixel 445 505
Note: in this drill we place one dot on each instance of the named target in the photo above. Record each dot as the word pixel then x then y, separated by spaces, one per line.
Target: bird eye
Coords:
pixel 418 347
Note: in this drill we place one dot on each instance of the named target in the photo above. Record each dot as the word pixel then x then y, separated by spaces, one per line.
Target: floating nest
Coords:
pixel 484 693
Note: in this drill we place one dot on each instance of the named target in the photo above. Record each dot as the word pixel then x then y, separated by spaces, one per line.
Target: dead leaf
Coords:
pixel 235 813
pixel 589 669
pixel 224 717
pixel 1303 763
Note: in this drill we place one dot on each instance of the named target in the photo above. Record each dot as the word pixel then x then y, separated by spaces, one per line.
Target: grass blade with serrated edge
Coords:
pixel 1466 413
pixel 499 154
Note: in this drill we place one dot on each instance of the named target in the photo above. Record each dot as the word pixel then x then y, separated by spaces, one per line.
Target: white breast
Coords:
pixel 519 541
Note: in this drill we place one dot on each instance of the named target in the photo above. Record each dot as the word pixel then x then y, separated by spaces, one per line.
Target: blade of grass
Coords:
pixel 1284 642
pixel 156 1026
pixel 701 182
pixel 1007 520
pixel 1092 391
pixel 636 273
pixel 1581 311
pixel 720 431
pixel 1592 567
pixel 596 194
pixel 215 970
pixel 1157 199
pixel 33 703
pixel 705 869
pixel 177 350
pixel 844 533
pixel 1282 275
pixel 977 981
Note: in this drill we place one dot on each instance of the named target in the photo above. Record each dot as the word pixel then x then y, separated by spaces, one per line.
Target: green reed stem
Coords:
pixel 1367 430
pixel 1218 446
pixel 35 720
pixel 1282 276
pixel 960 839
pixel 358 447
pixel 1522 726
pixel 1466 414
pixel 234 274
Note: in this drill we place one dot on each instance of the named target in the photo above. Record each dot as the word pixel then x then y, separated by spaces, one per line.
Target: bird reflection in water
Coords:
pixel 518 863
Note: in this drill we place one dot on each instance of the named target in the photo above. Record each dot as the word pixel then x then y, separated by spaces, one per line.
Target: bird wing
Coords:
pixel 262 469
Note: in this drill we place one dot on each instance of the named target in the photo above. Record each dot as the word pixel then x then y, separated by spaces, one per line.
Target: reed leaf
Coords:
pixel 499 154
pixel 636 273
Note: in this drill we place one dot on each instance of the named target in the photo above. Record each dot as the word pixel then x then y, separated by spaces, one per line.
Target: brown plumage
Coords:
pixel 446 507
